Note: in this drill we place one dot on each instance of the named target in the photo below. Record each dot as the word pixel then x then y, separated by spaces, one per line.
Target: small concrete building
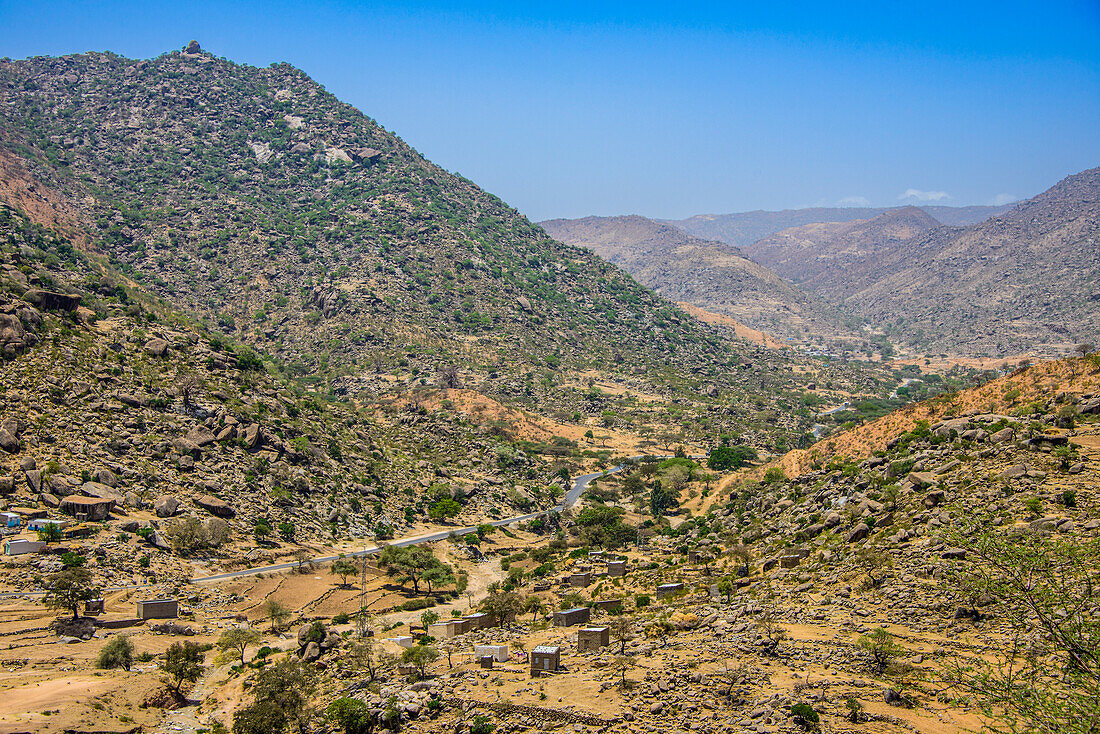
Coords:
pixel 41 523
pixel 545 659
pixel 479 620
pixel 461 626
pixel 584 578
pixel 93 606
pixel 10 519
pixel 486 661
pixel 158 609
pixel 616 568
pixel 20 546
pixel 570 617
pixel 442 630
pixel 404 641
pixel 498 653
pixel 593 638
pixel 90 509
pixel 668 589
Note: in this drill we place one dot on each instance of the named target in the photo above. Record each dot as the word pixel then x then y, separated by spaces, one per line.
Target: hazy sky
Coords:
pixel 565 109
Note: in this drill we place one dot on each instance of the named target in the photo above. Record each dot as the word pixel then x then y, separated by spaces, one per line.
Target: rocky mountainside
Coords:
pixel 744 228
pixel 1023 281
pixel 258 202
pixel 709 274
pixel 106 394
pixel 829 259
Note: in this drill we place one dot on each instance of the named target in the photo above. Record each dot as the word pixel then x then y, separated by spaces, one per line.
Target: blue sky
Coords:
pixel 565 109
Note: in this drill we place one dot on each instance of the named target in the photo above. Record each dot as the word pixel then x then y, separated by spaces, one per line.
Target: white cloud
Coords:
pixel 918 195
pixel 1002 199
pixel 854 201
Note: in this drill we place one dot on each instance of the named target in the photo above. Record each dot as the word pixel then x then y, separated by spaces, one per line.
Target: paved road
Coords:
pixel 570 498
pixel 579 485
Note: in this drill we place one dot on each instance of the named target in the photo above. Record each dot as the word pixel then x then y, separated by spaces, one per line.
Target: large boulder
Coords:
pixel 8 442
pixel 215 506
pixel 102 491
pixel 859 532
pixel 14 337
pixel 156 347
pixel 52 301
pixel 1013 472
pixel 253 436
pixel 166 506
pixel 201 436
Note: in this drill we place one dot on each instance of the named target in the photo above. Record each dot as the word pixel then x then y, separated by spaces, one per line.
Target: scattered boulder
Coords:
pixel 193 47
pixel 166 506
pixel 858 533
pixel 51 301
pixel 156 347
pixel 201 436
pixel 1013 472
pixel 1005 434
pixel 215 506
pixel 8 442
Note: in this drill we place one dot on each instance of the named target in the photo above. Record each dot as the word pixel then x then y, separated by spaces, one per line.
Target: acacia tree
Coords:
pixel 1048 591
pixel 343 567
pixel 409 563
pixel 235 641
pixel 68 588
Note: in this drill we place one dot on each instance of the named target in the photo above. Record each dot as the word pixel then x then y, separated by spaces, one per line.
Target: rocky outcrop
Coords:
pixel 52 301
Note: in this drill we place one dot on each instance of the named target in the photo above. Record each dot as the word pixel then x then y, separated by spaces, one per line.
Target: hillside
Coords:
pixel 743 228
pixel 276 214
pixel 1023 281
pixel 708 274
pixel 831 259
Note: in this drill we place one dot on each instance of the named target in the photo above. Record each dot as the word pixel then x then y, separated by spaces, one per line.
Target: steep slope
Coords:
pixel 105 392
pixel 712 275
pixel 831 260
pixel 1025 280
pixel 743 228
pixel 261 203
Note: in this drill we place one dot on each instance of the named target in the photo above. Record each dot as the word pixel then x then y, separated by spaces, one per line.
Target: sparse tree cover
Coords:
pixel 603 526
pixel 662 499
pixel 190 534
pixel 69 588
pixel 1047 589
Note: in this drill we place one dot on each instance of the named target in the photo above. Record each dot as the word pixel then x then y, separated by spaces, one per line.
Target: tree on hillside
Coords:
pixel 727 458
pixel 183 664
pixel 421 656
pixel 1047 590
pixel 622 629
pixel 502 605
pixel 662 499
pixel 69 588
pixel 437 575
pixel 444 509
pixel 282 693
pixel 235 641
pixel 276 613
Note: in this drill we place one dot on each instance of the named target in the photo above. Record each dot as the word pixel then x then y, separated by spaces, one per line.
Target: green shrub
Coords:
pixel 117 653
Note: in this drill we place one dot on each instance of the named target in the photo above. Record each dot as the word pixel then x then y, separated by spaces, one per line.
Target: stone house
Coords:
pixel 570 617
pixel 593 638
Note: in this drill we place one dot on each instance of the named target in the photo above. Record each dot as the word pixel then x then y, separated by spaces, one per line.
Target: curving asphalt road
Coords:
pixel 568 500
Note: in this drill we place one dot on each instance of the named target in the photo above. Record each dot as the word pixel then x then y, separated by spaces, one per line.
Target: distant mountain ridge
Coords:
pixel 744 228
pixel 827 258
pixel 712 275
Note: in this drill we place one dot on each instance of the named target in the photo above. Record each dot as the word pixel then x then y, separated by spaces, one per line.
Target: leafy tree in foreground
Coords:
pixel 117 653
pixel 343 567
pixel 1048 591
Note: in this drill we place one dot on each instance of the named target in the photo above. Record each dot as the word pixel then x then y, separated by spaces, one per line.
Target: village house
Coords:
pixel 570 617
pixel 545 659
pixel 593 638
pixel 158 609
pixel 668 589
